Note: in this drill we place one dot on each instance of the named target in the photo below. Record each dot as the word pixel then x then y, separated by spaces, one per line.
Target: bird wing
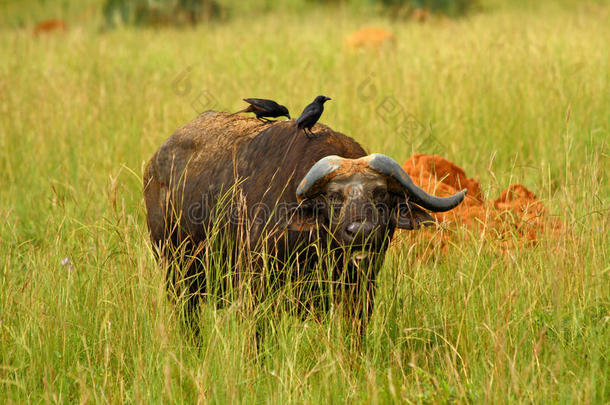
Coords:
pixel 254 105
pixel 262 103
pixel 310 111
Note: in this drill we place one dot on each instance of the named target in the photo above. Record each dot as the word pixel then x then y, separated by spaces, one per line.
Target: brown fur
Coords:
pixel 213 152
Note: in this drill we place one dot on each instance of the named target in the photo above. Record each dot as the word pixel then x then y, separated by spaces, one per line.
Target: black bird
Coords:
pixel 311 114
pixel 264 108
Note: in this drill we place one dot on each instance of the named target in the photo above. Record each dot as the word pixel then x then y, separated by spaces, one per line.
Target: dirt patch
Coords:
pixel 369 37
pixel 427 166
pixel 516 216
pixel 47 26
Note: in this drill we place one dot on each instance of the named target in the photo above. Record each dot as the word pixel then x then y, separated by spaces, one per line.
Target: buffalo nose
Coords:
pixel 356 228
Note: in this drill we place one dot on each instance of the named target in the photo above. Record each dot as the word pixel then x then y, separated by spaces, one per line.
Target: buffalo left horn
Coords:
pixel 318 175
pixel 398 180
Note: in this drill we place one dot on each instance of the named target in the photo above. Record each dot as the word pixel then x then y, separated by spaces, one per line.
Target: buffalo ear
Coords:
pixel 410 216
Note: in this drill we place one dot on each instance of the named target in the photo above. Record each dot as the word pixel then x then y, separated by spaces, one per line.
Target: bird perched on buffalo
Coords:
pixel 311 114
pixel 264 108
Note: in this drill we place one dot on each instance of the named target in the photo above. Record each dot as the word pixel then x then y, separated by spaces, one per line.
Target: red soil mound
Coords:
pixel 515 216
pixel 434 166
pixel 50 25
pixel 519 199
pixel 369 37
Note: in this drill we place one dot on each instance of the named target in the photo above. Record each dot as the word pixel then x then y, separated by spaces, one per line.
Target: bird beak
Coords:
pixel 328 98
pixel 288 116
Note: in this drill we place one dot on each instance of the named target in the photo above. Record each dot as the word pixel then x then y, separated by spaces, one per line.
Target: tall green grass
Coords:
pixel 511 95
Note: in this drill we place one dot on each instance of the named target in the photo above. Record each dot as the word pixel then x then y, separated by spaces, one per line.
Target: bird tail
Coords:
pixel 240 111
pixel 296 133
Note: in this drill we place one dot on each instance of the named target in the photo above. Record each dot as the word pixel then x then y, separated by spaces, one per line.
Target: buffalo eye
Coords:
pixel 380 195
pixel 334 197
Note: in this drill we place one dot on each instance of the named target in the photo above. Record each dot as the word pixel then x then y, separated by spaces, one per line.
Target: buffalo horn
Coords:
pixel 388 167
pixel 323 169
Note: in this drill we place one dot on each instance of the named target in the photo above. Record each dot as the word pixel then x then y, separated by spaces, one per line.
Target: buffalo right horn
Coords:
pixel 389 168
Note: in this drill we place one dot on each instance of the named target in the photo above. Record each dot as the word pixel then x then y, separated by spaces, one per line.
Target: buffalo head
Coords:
pixel 360 202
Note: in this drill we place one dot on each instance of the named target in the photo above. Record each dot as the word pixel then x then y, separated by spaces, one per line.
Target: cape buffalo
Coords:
pixel 280 205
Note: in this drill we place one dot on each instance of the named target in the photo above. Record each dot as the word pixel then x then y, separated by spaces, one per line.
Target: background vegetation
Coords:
pixel 513 92
pixel 183 12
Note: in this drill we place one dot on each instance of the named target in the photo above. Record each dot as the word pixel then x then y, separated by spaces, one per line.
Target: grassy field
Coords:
pixel 512 94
